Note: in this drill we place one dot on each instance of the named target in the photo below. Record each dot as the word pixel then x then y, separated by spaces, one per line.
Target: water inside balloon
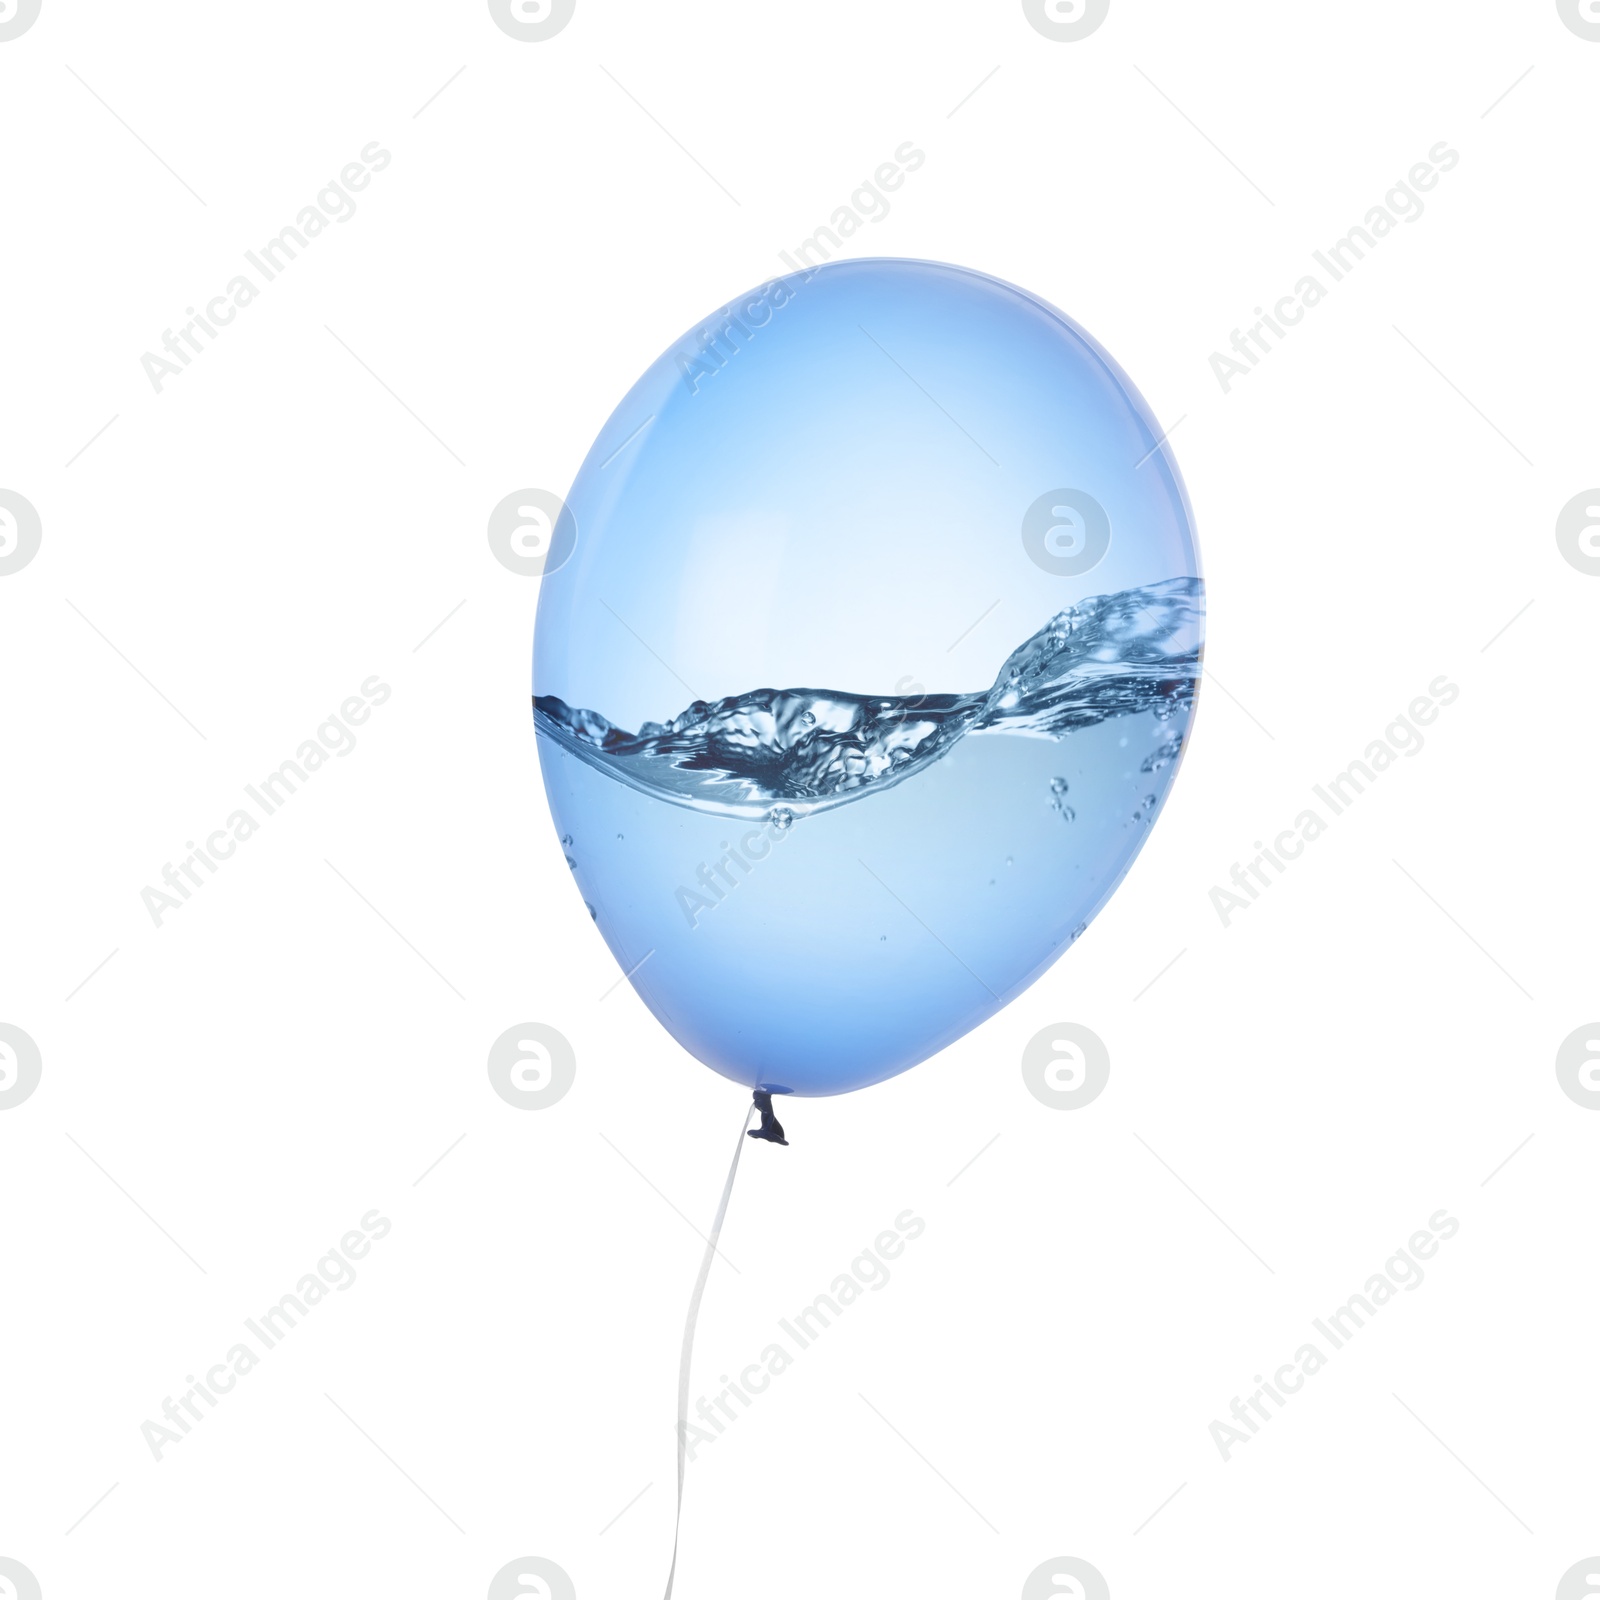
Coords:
pixel 836 859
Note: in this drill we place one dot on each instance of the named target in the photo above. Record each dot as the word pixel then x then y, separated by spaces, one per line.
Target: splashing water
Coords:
pixel 792 752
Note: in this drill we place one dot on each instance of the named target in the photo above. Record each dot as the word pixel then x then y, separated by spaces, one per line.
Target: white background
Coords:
pixel 1290 1099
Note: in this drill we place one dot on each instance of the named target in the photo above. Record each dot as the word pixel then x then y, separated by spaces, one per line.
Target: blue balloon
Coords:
pixel 868 668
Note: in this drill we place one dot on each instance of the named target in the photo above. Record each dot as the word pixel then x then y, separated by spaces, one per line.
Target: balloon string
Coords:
pixel 688 1334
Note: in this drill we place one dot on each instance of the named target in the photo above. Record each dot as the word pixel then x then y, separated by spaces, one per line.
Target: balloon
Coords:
pixel 867 665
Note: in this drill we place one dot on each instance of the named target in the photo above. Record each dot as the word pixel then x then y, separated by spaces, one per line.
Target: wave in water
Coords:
pixel 804 750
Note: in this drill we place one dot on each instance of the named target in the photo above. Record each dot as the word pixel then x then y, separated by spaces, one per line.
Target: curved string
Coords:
pixel 688 1340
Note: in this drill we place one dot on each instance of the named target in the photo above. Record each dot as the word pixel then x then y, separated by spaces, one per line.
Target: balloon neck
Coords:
pixel 771 1129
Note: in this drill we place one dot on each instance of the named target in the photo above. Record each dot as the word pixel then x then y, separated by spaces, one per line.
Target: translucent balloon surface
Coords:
pixel 870 666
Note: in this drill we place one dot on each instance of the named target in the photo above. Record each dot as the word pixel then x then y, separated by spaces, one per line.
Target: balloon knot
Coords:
pixel 771 1129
